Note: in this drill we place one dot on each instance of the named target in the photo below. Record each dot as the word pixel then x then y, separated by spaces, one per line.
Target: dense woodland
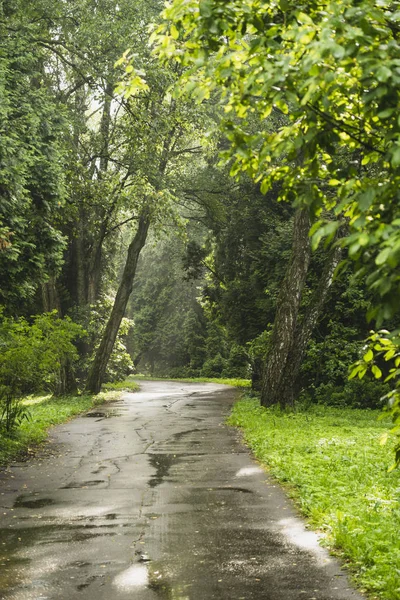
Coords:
pixel 216 199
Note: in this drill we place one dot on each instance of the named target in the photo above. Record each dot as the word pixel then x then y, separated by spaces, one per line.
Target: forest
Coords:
pixel 164 211
pixel 200 189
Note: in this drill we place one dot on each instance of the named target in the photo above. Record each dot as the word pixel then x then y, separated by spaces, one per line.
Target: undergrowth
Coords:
pixel 122 386
pixel 44 412
pixel 338 475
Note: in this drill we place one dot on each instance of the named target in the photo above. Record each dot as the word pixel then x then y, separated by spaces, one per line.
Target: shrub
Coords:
pixel 33 356
pixel 213 367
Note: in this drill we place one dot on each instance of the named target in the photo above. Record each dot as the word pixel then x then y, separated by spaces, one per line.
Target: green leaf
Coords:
pixel 376 371
pixel 174 32
pixel 383 73
pixel 395 160
pixel 383 256
pixel 368 356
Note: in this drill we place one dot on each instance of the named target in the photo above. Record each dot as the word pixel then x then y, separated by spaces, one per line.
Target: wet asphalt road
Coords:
pixel 153 498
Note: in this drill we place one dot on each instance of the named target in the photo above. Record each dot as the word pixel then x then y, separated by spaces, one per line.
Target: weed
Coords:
pixel 122 386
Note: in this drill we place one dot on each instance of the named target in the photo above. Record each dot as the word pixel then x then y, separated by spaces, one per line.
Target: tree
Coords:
pixel 168 337
pixel 331 69
pixel 32 182
pixel 166 142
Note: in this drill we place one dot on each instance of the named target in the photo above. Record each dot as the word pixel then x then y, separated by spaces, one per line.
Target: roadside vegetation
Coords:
pixel 41 413
pixel 332 463
pixel 128 385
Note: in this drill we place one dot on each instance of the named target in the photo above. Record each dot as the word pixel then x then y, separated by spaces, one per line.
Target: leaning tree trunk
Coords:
pixel 287 310
pixel 287 389
pixel 105 349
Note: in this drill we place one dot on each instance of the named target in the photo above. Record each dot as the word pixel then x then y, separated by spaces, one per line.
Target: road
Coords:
pixel 154 497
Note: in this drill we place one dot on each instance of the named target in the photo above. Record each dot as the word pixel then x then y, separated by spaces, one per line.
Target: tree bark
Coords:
pixel 287 310
pixel 288 388
pixel 104 351
pixel 94 267
pixel 50 296
pixel 81 286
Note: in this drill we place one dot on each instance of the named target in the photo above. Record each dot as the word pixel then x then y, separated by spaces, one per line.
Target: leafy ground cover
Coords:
pixel 44 412
pixel 122 386
pixel 235 382
pixel 337 472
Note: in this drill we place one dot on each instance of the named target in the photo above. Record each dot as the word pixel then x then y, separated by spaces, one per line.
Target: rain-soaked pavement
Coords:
pixel 155 498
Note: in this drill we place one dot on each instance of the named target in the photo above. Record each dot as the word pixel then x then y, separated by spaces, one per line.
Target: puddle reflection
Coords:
pixel 247 471
pixel 134 577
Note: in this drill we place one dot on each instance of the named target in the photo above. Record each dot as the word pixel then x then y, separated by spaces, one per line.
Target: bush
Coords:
pixel 33 356
pixel 355 394
pixel 238 364
pixel 213 367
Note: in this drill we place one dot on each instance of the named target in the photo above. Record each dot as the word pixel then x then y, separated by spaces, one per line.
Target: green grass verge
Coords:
pixel 46 411
pixel 235 382
pixel 337 471
pixel 122 386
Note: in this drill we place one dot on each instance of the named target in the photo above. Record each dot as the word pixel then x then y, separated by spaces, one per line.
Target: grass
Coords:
pixel 122 386
pixel 235 382
pixel 337 472
pixel 46 411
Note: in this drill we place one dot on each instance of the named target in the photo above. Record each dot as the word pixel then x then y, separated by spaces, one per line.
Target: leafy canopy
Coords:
pixel 331 71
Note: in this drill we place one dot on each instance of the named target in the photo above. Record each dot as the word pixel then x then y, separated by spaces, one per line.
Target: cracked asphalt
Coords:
pixel 153 497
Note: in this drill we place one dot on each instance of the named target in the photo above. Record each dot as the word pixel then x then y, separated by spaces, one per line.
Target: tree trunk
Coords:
pixel 105 349
pixel 81 286
pixel 287 310
pixel 50 297
pixel 304 330
pixel 94 275
pixel 95 261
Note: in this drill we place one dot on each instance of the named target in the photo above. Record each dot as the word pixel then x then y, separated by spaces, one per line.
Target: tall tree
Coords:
pixel 32 183
pixel 166 142
pixel 314 64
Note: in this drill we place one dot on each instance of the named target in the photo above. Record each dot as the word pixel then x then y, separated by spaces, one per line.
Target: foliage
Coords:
pixel 33 356
pixel 214 367
pixel 94 320
pixel 45 411
pixel 329 70
pixel 128 385
pixel 169 323
pixel 315 452
pixel 32 183
pixel 312 63
pixel 382 359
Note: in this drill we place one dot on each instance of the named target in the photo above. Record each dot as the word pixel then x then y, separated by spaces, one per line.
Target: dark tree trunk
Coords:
pixel 256 374
pixel 51 301
pixel 287 310
pixel 67 382
pixel 304 330
pixel 104 351
pixel 50 297
pixel 80 248
pixel 94 275
pixel 94 267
